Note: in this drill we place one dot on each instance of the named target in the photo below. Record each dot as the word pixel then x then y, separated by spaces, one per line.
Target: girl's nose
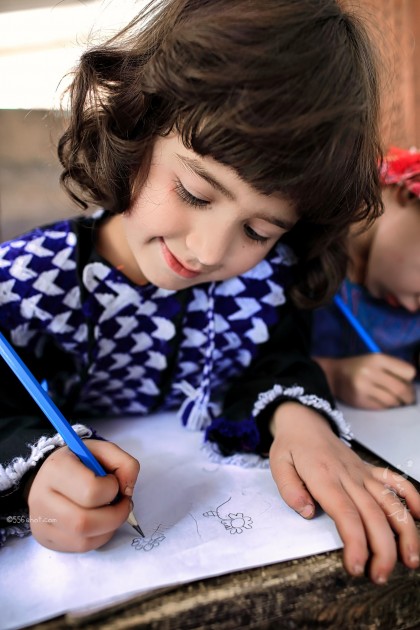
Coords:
pixel 411 304
pixel 209 245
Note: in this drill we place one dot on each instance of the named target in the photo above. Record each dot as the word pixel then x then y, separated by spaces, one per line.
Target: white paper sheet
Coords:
pixel 393 434
pixel 200 519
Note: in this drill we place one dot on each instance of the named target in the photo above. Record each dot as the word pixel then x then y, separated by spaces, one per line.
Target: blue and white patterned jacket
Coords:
pixel 225 353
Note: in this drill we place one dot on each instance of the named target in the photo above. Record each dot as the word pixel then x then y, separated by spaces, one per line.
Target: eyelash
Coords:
pixel 196 202
pixel 254 236
pixel 190 199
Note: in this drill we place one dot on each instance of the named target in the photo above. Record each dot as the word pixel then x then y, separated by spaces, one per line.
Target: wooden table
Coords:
pixel 312 592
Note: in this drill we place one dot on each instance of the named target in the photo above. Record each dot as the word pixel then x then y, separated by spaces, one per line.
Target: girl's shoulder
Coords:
pixel 37 244
pixel 42 263
pixel 53 244
pixel 37 271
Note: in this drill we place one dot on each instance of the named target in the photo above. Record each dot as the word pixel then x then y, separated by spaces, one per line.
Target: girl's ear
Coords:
pixel 395 196
pixel 405 197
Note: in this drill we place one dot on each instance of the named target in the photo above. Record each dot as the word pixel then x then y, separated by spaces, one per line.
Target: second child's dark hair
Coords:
pixel 283 91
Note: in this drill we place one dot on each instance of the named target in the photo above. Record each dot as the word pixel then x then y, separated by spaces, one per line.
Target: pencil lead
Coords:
pixel 138 529
pixel 134 523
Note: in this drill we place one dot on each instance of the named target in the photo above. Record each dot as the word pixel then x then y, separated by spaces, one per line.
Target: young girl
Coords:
pixel 382 289
pixel 231 144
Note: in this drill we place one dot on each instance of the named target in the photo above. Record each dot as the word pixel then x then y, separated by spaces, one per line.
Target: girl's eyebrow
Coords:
pixel 284 224
pixel 194 165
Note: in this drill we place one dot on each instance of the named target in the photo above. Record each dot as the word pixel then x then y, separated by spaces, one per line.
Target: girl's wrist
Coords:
pixel 28 485
pixel 290 415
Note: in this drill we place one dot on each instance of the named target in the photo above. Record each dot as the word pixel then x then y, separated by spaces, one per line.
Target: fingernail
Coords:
pixel 128 491
pixel 358 569
pixel 414 558
pixel 307 511
pixel 380 579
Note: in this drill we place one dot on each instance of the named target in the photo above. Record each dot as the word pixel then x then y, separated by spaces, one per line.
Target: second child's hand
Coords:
pixel 371 381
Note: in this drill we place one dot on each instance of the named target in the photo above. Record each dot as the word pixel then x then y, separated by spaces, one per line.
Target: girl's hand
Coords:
pixel 310 463
pixel 70 507
pixel 370 381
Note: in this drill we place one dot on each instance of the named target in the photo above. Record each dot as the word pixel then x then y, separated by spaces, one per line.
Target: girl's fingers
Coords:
pixel 90 522
pixel 373 508
pixel 362 500
pixel 390 391
pixel 336 502
pixel 366 518
pixel 399 368
pixel 77 506
pixel 405 528
pixel 75 481
pixel 400 515
pixel 72 528
pixel 400 485
pixel 399 521
pixel 291 487
pixel 366 511
pixel 60 541
pixel 122 465
pixel 382 398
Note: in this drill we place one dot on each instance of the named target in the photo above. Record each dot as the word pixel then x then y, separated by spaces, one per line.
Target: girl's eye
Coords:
pixel 190 199
pixel 254 236
pixel 196 202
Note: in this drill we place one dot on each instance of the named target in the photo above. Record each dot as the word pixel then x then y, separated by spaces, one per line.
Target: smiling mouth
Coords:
pixel 174 264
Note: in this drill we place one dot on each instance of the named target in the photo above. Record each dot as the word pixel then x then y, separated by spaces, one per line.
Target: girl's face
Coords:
pixel 195 221
pixel 393 269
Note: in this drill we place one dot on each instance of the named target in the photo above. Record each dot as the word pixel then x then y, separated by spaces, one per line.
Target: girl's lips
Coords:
pixel 174 264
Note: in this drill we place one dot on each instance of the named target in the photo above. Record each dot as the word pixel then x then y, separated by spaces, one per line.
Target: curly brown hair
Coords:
pixel 283 91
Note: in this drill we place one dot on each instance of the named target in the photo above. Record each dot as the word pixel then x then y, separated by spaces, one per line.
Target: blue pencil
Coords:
pixel 365 337
pixel 54 415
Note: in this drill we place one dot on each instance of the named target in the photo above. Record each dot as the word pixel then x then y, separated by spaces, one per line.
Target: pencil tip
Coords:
pixel 138 530
pixel 133 522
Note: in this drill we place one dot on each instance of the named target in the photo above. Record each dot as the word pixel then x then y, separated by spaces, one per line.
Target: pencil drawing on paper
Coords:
pixel 233 523
pixel 149 543
pixel 196 524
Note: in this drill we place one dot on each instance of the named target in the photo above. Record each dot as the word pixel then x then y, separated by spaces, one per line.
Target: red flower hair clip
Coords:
pixel 402 167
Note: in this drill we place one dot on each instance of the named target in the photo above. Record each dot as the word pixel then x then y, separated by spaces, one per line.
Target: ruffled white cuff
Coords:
pixel 296 392
pixel 11 474
pixel 277 392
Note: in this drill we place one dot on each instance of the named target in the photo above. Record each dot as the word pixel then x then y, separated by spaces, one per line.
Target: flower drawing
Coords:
pixel 147 544
pixel 236 523
pixel 233 523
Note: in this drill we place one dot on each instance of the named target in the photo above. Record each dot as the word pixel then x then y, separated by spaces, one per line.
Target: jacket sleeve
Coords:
pixel 282 371
pixel 26 439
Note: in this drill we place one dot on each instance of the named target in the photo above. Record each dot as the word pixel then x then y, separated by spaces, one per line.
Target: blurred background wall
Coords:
pixel 40 41
pixel 396 23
